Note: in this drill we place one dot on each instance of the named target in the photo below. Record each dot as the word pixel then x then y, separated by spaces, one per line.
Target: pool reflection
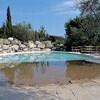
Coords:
pixel 82 70
pixel 46 72
pixel 21 72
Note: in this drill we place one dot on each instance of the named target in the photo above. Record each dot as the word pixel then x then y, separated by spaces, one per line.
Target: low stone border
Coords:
pixel 25 52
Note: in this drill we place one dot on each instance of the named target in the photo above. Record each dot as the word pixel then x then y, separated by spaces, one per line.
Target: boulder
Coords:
pixel 12 51
pixel 5 47
pixel 58 47
pixel 10 38
pixel 48 44
pixel 15 42
pixel 22 46
pixel 1 41
pixel 37 42
pixel 41 45
pixel 15 47
pixel 4 51
pixel 6 42
pixel 1 50
pixel 61 45
pixel 25 43
pixel 31 44
pixel 26 49
pixel 8 51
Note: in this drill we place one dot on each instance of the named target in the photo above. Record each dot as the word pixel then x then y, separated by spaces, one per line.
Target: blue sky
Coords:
pixel 50 13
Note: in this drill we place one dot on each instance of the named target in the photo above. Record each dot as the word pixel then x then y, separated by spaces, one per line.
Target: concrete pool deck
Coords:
pixel 75 91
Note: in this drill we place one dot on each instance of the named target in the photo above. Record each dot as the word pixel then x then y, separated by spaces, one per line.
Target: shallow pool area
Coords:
pixel 44 73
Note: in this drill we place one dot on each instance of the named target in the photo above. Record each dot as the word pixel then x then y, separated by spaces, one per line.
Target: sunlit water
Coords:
pixel 43 73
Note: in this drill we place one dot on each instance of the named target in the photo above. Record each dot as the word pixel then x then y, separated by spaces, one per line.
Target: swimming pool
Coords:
pixel 41 57
pixel 45 68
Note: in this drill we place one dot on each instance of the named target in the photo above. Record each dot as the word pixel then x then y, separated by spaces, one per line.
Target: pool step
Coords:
pixel 93 60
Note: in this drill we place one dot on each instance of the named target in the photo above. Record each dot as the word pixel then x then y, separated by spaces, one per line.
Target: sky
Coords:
pixel 52 14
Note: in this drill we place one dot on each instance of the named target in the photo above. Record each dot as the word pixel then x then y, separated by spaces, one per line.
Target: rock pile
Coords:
pixel 12 45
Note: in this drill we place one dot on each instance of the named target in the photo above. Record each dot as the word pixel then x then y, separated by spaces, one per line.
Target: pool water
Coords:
pixel 48 72
pixel 45 68
pixel 41 57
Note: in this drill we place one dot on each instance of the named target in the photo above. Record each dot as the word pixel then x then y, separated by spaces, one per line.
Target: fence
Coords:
pixel 86 49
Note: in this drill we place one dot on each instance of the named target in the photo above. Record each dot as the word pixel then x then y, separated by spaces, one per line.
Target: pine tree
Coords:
pixel 4 30
pixel 9 24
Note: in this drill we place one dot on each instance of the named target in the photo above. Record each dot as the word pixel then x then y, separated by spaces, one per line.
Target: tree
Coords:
pixel 84 30
pixel 9 31
pixel 22 32
pixel 88 32
pixel 42 33
pixel 90 8
pixel 53 38
pixel 36 36
pixel 3 31
pixel 73 23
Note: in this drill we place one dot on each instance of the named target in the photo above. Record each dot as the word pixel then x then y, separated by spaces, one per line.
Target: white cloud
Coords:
pixel 66 7
pixel 66 4
pixel 71 12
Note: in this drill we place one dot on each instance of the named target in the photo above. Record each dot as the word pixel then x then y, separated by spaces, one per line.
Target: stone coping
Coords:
pixel 48 52
pixel 92 55
pixel 25 52
pixel 33 52
pixel 38 52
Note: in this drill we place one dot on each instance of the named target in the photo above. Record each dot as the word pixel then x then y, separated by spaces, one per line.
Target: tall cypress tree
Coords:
pixel 8 23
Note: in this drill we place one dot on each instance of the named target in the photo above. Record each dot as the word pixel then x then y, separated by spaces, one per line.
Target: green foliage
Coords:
pixel 9 24
pixel 85 32
pixel 42 33
pixel 3 31
pixel 73 23
pixel 22 32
